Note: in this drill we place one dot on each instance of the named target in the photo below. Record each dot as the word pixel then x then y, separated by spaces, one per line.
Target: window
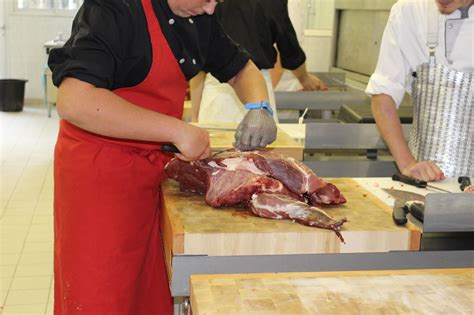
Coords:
pixel 48 5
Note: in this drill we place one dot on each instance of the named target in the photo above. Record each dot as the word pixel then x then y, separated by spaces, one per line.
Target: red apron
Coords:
pixel 108 256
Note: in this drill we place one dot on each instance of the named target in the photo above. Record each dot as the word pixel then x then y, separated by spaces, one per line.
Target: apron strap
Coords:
pixel 432 25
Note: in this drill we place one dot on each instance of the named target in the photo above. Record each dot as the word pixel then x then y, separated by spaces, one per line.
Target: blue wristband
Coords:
pixel 261 104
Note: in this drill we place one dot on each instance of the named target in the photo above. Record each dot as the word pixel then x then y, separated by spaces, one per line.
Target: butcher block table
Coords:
pixel 222 138
pixel 199 239
pixel 434 291
pixel 191 227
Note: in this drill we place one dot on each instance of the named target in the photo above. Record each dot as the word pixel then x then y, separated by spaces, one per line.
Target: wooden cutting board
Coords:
pixel 189 226
pixel 223 140
pixel 446 291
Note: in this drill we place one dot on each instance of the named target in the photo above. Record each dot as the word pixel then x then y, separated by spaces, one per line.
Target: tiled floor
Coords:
pixel 26 210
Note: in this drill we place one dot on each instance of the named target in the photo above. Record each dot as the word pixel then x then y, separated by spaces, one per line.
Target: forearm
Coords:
pixel 249 85
pixel 196 85
pixel 388 122
pixel 308 81
pixel 277 72
pixel 300 72
pixel 100 111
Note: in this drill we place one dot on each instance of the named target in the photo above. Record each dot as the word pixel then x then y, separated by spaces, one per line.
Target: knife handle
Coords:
pixel 409 180
pixel 399 216
pixel 169 147
pixel 416 209
pixel 464 181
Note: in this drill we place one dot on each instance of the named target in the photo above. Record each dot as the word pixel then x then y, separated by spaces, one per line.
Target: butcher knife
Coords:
pixel 406 202
pixel 217 127
pixel 169 147
pixel 415 182
pixel 464 181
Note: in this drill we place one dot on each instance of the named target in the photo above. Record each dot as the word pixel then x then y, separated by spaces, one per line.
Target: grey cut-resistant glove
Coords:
pixel 256 130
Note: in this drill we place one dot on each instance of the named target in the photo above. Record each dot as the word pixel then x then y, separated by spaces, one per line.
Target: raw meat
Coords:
pixel 273 186
pixel 277 206
pixel 294 175
pixel 469 188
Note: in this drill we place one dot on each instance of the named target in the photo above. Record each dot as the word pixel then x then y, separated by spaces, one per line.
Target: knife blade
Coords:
pixel 217 127
pixel 400 208
pixel 415 182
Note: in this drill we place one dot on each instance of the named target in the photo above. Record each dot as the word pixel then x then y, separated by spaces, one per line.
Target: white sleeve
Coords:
pixel 392 69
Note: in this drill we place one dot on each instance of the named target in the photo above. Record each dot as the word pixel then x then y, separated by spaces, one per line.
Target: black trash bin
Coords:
pixel 12 95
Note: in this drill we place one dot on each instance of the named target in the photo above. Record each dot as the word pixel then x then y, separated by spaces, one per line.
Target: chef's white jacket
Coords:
pixel 404 46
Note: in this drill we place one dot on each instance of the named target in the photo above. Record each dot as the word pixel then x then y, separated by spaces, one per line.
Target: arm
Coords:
pixel 249 84
pixel 258 128
pixel 308 81
pixel 196 85
pixel 388 122
pixel 100 111
pixel 277 72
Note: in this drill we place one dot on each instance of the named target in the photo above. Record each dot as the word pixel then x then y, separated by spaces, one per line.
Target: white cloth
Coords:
pixel 220 104
pixel 404 47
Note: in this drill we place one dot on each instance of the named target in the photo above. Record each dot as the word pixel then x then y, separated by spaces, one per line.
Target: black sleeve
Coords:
pixel 291 54
pixel 101 31
pixel 225 58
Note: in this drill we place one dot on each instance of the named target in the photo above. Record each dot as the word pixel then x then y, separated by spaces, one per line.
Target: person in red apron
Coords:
pixel 122 82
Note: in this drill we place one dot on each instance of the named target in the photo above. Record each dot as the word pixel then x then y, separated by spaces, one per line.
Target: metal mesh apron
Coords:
pixel 443 121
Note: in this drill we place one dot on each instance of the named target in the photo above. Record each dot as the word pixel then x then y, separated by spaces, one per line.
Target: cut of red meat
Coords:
pixel 276 206
pixel 294 175
pixel 250 178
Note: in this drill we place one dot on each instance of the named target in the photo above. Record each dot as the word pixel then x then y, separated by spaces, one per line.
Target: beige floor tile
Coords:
pixel 36 258
pixel 3 297
pixel 50 309
pixel 7 271
pixel 40 237
pixel 26 208
pixel 44 269
pixel 38 247
pixel 11 247
pixel 29 203
pixel 11 211
pixel 9 259
pixel 31 283
pixel 20 219
pixel 33 309
pixel 39 219
pixel 14 232
pixel 5 283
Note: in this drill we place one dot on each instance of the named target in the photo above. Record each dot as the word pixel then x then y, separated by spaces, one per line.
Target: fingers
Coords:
pixel 206 153
pixel 427 171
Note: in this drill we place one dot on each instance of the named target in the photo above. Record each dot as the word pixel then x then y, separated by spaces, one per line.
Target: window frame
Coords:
pixel 44 12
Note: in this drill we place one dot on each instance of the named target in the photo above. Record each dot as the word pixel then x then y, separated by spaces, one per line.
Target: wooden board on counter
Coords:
pixel 223 140
pixel 442 291
pixel 190 226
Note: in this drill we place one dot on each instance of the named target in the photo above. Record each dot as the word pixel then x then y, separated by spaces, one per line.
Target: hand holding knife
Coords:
pixel 415 182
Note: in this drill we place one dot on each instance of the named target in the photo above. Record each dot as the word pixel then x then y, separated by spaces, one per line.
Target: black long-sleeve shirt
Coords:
pixel 110 47
pixel 259 24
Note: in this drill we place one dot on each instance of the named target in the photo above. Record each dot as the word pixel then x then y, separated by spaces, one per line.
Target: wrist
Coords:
pixel 262 104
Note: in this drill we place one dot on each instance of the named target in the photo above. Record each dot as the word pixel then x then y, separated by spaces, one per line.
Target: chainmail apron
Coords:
pixel 443 121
